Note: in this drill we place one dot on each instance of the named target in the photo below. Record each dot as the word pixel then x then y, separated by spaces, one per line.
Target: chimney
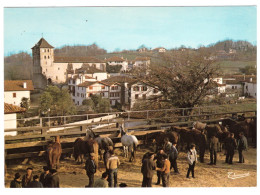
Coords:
pixel 24 85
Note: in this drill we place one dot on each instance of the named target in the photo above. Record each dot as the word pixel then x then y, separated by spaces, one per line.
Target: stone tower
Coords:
pixel 43 57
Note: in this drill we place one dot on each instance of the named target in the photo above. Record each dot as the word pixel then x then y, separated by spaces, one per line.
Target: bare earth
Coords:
pixel 74 176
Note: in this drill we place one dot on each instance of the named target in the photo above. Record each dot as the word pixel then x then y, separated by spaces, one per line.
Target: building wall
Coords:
pixel 250 89
pixel 99 76
pixel 115 94
pixel 10 123
pixel 124 65
pixel 8 97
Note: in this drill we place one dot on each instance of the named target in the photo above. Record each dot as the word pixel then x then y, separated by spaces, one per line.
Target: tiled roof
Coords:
pixel 230 82
pixel 58 59
pixel 17 85
pixel 142 58
pixel 9 108
pixel 89 83
pixel 119 79
pixel 88 70
pixel 42 44
pixel 115 59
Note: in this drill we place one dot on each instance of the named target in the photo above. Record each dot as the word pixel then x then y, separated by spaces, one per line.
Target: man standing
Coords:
pixel 167 146
pixel 16 183
pixel 165 171
pixel 35 183
pixel 242 145
pixel 27 178
pixel 55 180
pixel 102 182
pixel 112 165
pixel 90 168
pixel 213 147
pixel 45 177
pixel 231 146
pixel 173 158
pixel 147 170
pixel 159 164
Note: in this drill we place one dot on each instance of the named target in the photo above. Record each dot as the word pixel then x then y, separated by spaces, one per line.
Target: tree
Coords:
pixel 98 103
pixel 113 68
pixel 89 103
pixel 184 79
pixel 25 103
pixel 248 70
pixel 56 101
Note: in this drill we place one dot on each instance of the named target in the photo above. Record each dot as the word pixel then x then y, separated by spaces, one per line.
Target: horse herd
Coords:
pixel 183 136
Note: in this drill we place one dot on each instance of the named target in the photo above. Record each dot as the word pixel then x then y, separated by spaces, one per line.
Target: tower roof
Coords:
pixel 42 44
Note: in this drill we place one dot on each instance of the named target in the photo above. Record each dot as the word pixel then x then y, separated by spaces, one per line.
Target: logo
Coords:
pixel 232 175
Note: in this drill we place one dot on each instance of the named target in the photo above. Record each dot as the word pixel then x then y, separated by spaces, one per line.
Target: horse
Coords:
pixel 83 148
pixel 238 126
pixel 54 151
pixel 129 143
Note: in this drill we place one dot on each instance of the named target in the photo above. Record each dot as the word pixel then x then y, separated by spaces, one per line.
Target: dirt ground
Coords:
pixel 73 175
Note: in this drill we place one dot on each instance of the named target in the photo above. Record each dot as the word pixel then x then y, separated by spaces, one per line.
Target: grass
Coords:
pixel 232 67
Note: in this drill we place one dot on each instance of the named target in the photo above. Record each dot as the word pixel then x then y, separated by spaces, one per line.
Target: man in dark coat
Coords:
pixel 90 168
pixel 45 177
pixel 35 183
pixel 159 163
pixel 27 178
pixel 213 147
pixel 55 180
pixel 16 183
pixel 202 145
pixel 173 158
pixel 147 170
pixel 242 145
pixel 231 146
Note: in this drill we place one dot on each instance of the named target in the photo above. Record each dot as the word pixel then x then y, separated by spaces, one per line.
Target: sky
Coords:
pixel 121 28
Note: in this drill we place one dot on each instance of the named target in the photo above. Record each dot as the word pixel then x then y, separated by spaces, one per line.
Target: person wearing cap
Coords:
pixel 112 165
pixel 147 170
pixel 165 171
pixel 102 182
pixel 16 183
pixel 91 168
pixel 45 177
pixel 55 180
pixel 35 183
pixel 27 178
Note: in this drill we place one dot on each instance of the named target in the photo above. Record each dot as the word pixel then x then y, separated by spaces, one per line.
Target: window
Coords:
pixel 144 96
pixel 116 87
pixel 111 94
pixel 112 88
pixel 46 69
pixel 56 77
pixel 58 68
pixel 14 95
pixel 44 57
pixel 90 87
pixel 144 88
pixel 155 90
pixel 78 94
pixel 103 87
pixel 136 96
pixel 136 88
pixel 102 94
pixel 48 50
pixel 48 57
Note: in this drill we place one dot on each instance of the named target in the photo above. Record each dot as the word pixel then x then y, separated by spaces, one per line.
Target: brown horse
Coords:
pixel 54 151
pixel 238 126
pixel 83 148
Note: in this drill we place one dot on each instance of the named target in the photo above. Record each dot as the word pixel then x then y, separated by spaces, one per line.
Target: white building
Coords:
pixel 250 88
pixel 15 90
pixel 113 61
pixel 10 117
pixel 160 49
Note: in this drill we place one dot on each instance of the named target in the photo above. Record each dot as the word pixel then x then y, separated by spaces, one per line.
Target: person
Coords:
pixel 242 117
pixel 35 183
pixel 27 178
pixel 167 146
pixel 231 146
pixel 241 145
pixel 159 164
pixel 45 177
pixel 16 183
pixel 112 165
pixel 165 171
pixel 91 169
pixel 234 116
pixel 202 145
pixel 107 155
pixel 192 159
pixel 147 168
pixel 122 185
pixel 102 182
pixel 55 180
pixel 213 147
pixel 173 158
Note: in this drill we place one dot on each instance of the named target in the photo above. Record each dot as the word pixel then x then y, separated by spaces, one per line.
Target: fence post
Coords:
pixel 41 122
pixel 64 120
pixel 128 115
pixel 49 121
pixel 147 114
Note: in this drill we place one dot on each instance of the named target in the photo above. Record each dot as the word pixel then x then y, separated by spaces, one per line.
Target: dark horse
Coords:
pixel 53 153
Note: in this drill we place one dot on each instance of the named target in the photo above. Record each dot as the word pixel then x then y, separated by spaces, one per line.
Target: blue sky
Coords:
pixel 127 27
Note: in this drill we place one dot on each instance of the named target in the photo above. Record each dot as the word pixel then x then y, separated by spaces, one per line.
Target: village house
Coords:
pixel 160 49
pixel 142 62
pixel 10 117
pixel 143 49
pixel 54 68
pixel 250 88
pixel 115 60
pixel 89 71
pixel 15 90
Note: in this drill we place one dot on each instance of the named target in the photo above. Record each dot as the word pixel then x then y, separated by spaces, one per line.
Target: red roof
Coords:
pixel 9 108
pixel 58 59
pixel 115 59
pixel 42 44
pixel 142 58
pixel 89 83
pixel 17 85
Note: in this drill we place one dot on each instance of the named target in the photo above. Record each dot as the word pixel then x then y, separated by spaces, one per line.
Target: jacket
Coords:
pixel 242 143
pixel 35 184
pixel 90 166
pixel 166 166
pixel 167 147
pixel 26 181
pixel 159 158
pixel 45 179
pixel 192 156
pixel 55 181
pixel 101 183
pixel 173 153
pixel 231 144
pixel 213 145
pixel 15 184
pixel 113 162
pixel 147 167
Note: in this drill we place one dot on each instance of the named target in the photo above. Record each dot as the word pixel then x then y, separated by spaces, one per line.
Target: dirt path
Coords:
pixel 74 176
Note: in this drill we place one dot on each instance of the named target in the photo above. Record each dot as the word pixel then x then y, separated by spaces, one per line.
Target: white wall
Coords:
pixel 100 76
pixel 250 88
pixel 10 123
pixel 8 97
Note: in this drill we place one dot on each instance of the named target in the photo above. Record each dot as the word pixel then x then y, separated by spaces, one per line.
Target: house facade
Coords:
pixel 113 61
pixel 15 90
pixel 250 88
pixel 142 62
pixel 160 49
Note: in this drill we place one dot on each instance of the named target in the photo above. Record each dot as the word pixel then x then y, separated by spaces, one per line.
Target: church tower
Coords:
pixel 43 57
